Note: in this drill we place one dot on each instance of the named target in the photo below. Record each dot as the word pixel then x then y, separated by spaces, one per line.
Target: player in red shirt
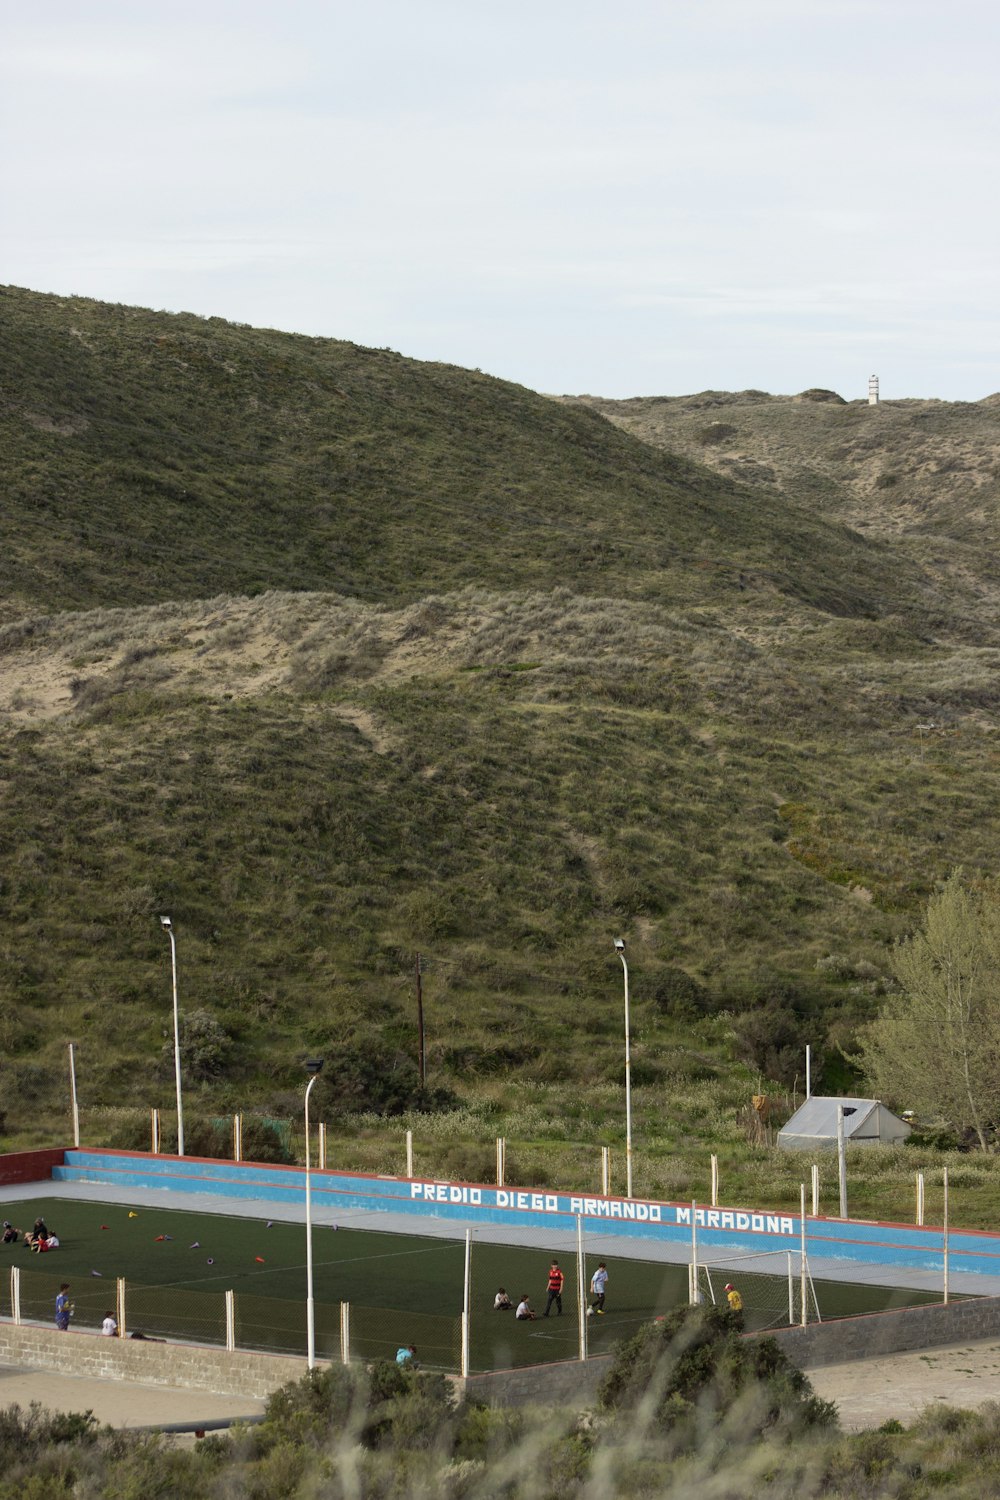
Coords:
pixel 556 1279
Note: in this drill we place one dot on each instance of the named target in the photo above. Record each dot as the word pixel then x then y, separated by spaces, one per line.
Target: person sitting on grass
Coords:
pixel 50 1242
pixel 525 1311
pixel 39 1231
pixel 10 1234
pixel 501 1302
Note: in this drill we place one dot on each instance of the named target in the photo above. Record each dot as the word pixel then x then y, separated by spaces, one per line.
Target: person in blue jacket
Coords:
pixel 64 1308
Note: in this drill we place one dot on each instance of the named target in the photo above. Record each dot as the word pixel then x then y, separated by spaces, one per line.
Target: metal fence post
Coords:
pixel 15 1294
pixel 695 1289
pixel 715 1182
pixel 467 1302
pixel 120 1306
pixel 409 1153
pixel 606 1171
pixel 154 1131
pixel 345 1333
pixel 230 1322
pixel 802 1252
pixel 581 1296
pixel 944 1236
pixel 322 1146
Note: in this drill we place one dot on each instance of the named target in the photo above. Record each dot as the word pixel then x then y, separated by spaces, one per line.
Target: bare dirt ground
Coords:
pixel 871 1391
pixel 117 1403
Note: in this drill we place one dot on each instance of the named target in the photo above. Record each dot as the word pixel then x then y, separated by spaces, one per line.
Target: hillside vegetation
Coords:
pixel 921 476
pixel 339 658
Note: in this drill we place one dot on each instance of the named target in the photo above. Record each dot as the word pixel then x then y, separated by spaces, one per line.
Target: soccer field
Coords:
pixel 402 1289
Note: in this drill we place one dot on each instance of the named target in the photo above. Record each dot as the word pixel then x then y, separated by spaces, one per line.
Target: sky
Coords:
pixel 648 197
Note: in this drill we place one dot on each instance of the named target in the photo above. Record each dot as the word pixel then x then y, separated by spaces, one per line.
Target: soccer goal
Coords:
pixel 775 1286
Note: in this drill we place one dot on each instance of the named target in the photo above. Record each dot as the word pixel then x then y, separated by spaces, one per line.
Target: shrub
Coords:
pixel 715 432
pixel 675 993
pixel 205 1044
pixel 772 1040
pixel 368 1077
pixel 695 1361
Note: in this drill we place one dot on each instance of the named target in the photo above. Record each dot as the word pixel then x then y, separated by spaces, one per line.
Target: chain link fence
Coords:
pixel 267 1324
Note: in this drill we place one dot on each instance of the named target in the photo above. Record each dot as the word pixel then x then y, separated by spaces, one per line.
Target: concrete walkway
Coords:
pixel 869 1392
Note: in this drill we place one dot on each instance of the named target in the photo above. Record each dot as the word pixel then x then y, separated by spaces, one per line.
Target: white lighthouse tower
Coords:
pixel 873 390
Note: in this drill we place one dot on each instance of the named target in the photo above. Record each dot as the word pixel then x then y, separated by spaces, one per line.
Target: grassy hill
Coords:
pixel 340 658
pixel 921 476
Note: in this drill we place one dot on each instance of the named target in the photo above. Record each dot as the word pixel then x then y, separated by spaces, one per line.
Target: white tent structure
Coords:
pixel 867 1122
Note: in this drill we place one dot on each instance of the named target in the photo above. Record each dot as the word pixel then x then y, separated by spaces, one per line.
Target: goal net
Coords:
pixel 771 1285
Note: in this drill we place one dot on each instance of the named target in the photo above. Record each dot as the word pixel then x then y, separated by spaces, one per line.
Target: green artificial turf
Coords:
pixel 402 1289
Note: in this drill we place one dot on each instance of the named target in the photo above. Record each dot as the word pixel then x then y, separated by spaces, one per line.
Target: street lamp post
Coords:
pixel 314 1065
pixel 168 928
pixel 620 950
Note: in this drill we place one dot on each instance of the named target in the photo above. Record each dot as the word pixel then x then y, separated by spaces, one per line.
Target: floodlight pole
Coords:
pixel 310 1303
pixel 168 928
pixel 620 950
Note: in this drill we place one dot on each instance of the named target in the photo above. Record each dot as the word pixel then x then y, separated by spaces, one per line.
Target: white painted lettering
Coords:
pixel 683 1215
pixel 655 1215
pixel 551 1203
pixel 616 1209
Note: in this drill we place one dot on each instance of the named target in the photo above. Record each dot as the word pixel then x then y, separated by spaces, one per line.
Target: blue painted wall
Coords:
pixel 729 1230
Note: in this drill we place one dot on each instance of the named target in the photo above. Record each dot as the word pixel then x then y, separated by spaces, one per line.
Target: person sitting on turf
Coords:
pixel 501 1302
pixel 109 1328
pixel 38 1231
pixel 525 1311
pixel 50 1242
pixel 10 1234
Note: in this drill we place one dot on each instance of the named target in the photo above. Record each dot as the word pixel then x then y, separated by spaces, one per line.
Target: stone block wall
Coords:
pixel 895 1332
pixel 186 1366
pixel 563 1384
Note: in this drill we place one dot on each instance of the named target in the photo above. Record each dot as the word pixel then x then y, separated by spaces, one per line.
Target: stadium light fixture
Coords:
pixel 168 928
pixel 620 950
pixel 314 1065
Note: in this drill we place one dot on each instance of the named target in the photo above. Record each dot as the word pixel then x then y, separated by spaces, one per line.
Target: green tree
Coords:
pixel 935 1047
